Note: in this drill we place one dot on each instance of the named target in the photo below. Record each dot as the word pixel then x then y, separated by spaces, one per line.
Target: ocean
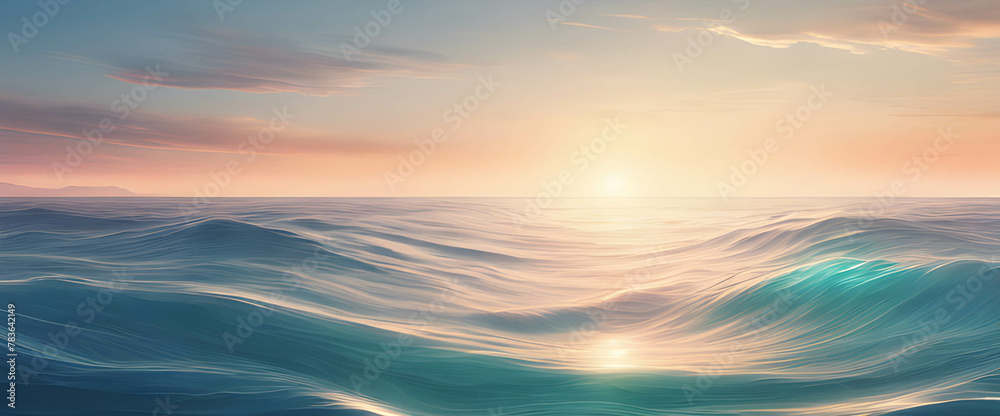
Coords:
pixel 468 306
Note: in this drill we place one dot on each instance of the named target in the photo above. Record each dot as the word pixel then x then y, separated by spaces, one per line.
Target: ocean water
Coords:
pixel 472 307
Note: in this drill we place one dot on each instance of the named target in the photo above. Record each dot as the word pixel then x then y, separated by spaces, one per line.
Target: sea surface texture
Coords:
pixel 444 307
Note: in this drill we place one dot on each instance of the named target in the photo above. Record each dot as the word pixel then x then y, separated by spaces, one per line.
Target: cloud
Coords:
pixel 630 16
pixel 198 58
pixel 924 26
pixel 26 123
pixel 586 25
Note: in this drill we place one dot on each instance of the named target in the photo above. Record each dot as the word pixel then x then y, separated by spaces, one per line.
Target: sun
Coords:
pixel 614 184
pixel 614 354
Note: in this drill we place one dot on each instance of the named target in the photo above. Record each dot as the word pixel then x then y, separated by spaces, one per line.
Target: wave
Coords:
pixel 447 307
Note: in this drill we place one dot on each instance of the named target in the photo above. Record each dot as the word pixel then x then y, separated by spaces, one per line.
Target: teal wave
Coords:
pixel 445 307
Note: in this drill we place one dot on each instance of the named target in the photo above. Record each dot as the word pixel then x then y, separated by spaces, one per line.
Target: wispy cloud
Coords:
pixel 53 125
pixel 590 26
pixel 629 16
pixel 939 28
pixel 223 59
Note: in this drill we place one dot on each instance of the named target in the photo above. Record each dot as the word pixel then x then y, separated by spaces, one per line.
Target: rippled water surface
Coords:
pixel 448 307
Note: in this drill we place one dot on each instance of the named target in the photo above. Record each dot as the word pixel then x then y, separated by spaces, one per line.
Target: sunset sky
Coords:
pixel 840 97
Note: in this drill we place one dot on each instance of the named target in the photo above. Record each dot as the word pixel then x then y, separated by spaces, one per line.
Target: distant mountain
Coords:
pixel 7 189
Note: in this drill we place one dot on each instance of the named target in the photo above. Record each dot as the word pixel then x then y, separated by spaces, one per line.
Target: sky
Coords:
pixel 560 98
